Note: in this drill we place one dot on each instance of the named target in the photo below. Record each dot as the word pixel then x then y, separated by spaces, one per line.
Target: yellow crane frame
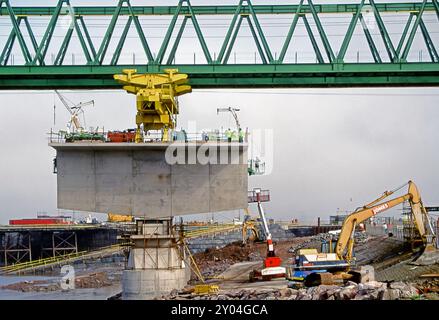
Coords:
pixel 156 98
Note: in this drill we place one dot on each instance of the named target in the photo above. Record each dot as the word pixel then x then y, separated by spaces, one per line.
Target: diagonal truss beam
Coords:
pixel 384 34
pixel 100 56
pixel 67 38
pixel 327 46
pixel 313 40
pixel 244 10
pixel 391 51
pixel 320 29
pixel 190 15
pixel 411 37
pixel 428 42
pixel 290 33
pixel 44 45
pixel 4 57
pixel 372 46
pixel 122 39
pixel 16 30
pixel 404 34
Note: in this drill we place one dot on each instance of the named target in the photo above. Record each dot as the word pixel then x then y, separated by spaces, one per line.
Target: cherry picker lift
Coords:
pixel 272 264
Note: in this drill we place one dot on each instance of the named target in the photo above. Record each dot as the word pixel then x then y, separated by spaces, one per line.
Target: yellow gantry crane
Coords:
pixel 157 105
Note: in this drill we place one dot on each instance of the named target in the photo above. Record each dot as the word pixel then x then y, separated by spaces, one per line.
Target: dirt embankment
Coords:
pixel 215 261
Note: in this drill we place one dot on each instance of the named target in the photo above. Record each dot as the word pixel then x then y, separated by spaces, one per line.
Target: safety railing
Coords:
pixel 207 230
pixel 53 260
pixel 150 137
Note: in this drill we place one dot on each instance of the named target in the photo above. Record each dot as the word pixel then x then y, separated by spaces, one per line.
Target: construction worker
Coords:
pixel 385 228
pixel 234 135
pixel 229 135
pixel 241 135
pixel 257 161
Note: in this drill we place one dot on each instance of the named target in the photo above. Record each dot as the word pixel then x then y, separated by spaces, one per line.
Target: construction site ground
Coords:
pixel 396 278
pixel 229 268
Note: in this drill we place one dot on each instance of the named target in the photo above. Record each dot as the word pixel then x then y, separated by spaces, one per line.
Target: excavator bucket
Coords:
pixel 429 256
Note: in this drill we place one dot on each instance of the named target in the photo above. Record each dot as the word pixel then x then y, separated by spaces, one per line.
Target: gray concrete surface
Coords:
pixel 136 179
pixel 156 263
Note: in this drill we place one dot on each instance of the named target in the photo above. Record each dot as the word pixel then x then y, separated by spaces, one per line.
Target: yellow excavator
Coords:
pixel 324 267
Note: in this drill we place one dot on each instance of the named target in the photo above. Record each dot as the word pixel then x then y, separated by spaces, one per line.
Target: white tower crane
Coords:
pixel 74 125
pixel 234 113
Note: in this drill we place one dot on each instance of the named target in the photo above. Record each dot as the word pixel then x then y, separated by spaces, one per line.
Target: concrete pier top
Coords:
pixel 138 178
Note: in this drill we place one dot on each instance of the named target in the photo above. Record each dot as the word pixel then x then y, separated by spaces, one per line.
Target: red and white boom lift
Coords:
pixel 272 264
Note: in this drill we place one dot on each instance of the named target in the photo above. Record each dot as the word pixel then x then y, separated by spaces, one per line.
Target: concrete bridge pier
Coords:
pixel 156 263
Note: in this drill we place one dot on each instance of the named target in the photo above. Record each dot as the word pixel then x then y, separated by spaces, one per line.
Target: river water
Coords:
pixel 76 294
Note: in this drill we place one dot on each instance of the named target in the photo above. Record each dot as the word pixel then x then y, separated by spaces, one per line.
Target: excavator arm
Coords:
pixel 346 238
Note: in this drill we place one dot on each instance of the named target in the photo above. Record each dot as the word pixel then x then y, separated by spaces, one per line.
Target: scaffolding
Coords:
pixel 63 243
pixel 16 248
pixel 410 232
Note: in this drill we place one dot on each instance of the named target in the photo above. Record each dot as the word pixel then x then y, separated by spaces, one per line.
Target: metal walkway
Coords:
pixel 32 266
pixel 210 230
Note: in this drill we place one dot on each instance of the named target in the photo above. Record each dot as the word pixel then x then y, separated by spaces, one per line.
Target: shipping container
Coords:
pixel 16 222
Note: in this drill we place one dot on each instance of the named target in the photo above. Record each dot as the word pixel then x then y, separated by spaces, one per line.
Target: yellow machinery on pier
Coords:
pixel 157 105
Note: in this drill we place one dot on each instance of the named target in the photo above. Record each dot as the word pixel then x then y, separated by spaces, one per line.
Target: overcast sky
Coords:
pixel 333 148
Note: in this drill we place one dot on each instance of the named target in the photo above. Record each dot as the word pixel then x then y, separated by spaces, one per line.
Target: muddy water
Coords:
pixel 77 294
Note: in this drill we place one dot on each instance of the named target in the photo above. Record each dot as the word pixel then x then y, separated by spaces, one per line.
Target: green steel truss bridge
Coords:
pixel 389 67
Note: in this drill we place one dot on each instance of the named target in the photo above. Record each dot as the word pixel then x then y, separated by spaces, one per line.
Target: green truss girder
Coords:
pixel 245 10
pixel 221 9
pixel 214 78
pixel 100 56
pixel 191 15
pixel 229 76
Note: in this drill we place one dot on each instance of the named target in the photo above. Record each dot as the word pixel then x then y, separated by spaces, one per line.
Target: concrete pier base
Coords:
pixel 147 284
pixel 156 263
